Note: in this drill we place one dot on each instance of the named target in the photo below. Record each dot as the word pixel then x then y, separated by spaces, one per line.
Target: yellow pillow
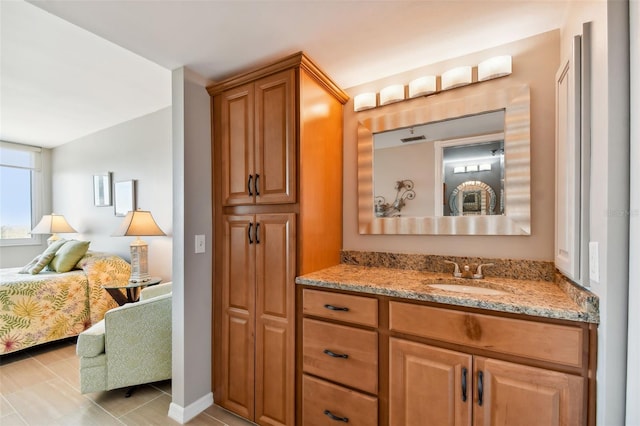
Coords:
pixel 44 259
pixel 68 255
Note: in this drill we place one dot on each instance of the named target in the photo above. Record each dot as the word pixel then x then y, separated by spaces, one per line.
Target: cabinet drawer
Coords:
pixel 343 307
pixel 537 340
pixel 321 400
pixel 343 354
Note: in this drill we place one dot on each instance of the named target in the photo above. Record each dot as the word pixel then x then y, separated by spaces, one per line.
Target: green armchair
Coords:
pixel 130 346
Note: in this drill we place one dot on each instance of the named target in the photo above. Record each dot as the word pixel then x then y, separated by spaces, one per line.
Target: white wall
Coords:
pixel 609 189
pixel 192 298
pixel 535 61
pixel 633 353
pixel 139 149
pixel 413 158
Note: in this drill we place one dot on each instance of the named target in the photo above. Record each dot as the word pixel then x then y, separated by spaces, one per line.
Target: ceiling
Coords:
pixel 72 67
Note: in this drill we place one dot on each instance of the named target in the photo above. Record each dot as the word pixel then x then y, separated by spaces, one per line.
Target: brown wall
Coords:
pixel 535 62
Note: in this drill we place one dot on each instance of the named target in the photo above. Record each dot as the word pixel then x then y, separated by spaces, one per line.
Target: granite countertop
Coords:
pixel 537 298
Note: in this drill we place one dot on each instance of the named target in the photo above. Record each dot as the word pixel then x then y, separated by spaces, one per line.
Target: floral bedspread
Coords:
pixel 50 306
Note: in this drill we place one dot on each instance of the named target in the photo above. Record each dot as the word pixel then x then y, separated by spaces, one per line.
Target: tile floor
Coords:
pixel 40 387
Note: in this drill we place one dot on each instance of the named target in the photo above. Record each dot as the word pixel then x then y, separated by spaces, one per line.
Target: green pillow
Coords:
pixel 68 255
pixel 46 257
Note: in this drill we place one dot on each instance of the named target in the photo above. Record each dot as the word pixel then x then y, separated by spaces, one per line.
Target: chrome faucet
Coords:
pixel 478 275
pixel 466 272
pixel 456 270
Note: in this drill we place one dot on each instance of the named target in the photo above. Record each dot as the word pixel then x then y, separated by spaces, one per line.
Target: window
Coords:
pixel 20 192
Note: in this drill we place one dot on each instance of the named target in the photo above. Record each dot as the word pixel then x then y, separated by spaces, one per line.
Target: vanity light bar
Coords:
pixel 472 168
pixel 498 66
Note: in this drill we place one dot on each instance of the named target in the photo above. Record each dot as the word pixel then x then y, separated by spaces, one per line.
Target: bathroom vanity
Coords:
pixel 385 346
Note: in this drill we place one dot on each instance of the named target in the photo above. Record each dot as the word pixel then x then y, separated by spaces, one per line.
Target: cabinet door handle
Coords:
pixel 336 418
pixel 249 185
pixel 258 233
pixel 257 185
pixel 480 387
pixel 335 355
pixel 336 308
pixel 464 384
pixel 249 233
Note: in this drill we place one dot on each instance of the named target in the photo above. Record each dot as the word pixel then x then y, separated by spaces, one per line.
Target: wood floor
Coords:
pixel 40 387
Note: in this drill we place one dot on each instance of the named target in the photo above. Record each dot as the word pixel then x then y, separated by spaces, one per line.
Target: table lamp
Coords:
pixel 53 224
pixel 139 223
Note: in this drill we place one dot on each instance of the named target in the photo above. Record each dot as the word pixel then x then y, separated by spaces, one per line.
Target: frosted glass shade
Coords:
pixel 495 67
pixel 364 101
pixel 422 86
pixel 391 94
pixel 456 77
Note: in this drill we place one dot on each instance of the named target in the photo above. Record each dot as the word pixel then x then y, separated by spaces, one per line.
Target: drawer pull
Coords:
pixel 336 308
pixel 336 418
pixel 335 355
pixel 464 384
pixel 480 388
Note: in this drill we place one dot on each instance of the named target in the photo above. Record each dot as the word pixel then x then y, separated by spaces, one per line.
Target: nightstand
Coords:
pixel 132 290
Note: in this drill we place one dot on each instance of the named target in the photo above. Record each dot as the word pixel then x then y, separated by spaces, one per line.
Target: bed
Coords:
pixel 50 306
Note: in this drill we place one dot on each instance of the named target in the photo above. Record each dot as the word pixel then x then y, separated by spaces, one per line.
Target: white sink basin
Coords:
pixel 458 288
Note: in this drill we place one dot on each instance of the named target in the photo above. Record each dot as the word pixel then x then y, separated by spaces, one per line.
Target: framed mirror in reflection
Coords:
pixel 467 159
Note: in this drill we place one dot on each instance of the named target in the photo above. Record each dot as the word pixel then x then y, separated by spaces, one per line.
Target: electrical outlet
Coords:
pixel 200 244
pixel 594 265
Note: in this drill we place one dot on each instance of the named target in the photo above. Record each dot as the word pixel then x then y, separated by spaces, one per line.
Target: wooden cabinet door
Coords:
pixel 426 385
pixel 238 317
pixel 514 394
pixel 275 138
pixel 237 145
pixel 274 243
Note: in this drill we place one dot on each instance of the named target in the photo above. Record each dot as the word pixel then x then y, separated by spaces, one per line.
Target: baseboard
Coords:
pixel 183 414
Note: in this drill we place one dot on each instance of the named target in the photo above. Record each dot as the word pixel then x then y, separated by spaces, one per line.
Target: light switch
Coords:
pixel 594 265
pixel 200 244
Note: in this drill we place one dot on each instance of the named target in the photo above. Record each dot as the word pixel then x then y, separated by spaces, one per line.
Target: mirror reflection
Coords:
pixel 473 178
pixel 447 165
pixel 438 157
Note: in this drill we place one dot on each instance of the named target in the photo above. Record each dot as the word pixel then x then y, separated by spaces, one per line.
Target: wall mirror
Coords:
pixel 456 166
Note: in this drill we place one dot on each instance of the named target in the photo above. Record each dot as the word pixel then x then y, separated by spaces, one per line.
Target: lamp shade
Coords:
pixel 52 224
pixel 138 223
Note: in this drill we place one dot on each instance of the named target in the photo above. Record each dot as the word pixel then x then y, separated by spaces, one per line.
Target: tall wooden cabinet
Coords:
pixel 277 178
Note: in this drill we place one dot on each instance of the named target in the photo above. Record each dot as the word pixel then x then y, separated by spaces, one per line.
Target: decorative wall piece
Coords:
pixel 102 190
pixel 404 191
pixel 125 197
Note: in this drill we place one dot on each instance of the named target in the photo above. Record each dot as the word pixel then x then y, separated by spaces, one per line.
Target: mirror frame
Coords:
pixel 517 220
